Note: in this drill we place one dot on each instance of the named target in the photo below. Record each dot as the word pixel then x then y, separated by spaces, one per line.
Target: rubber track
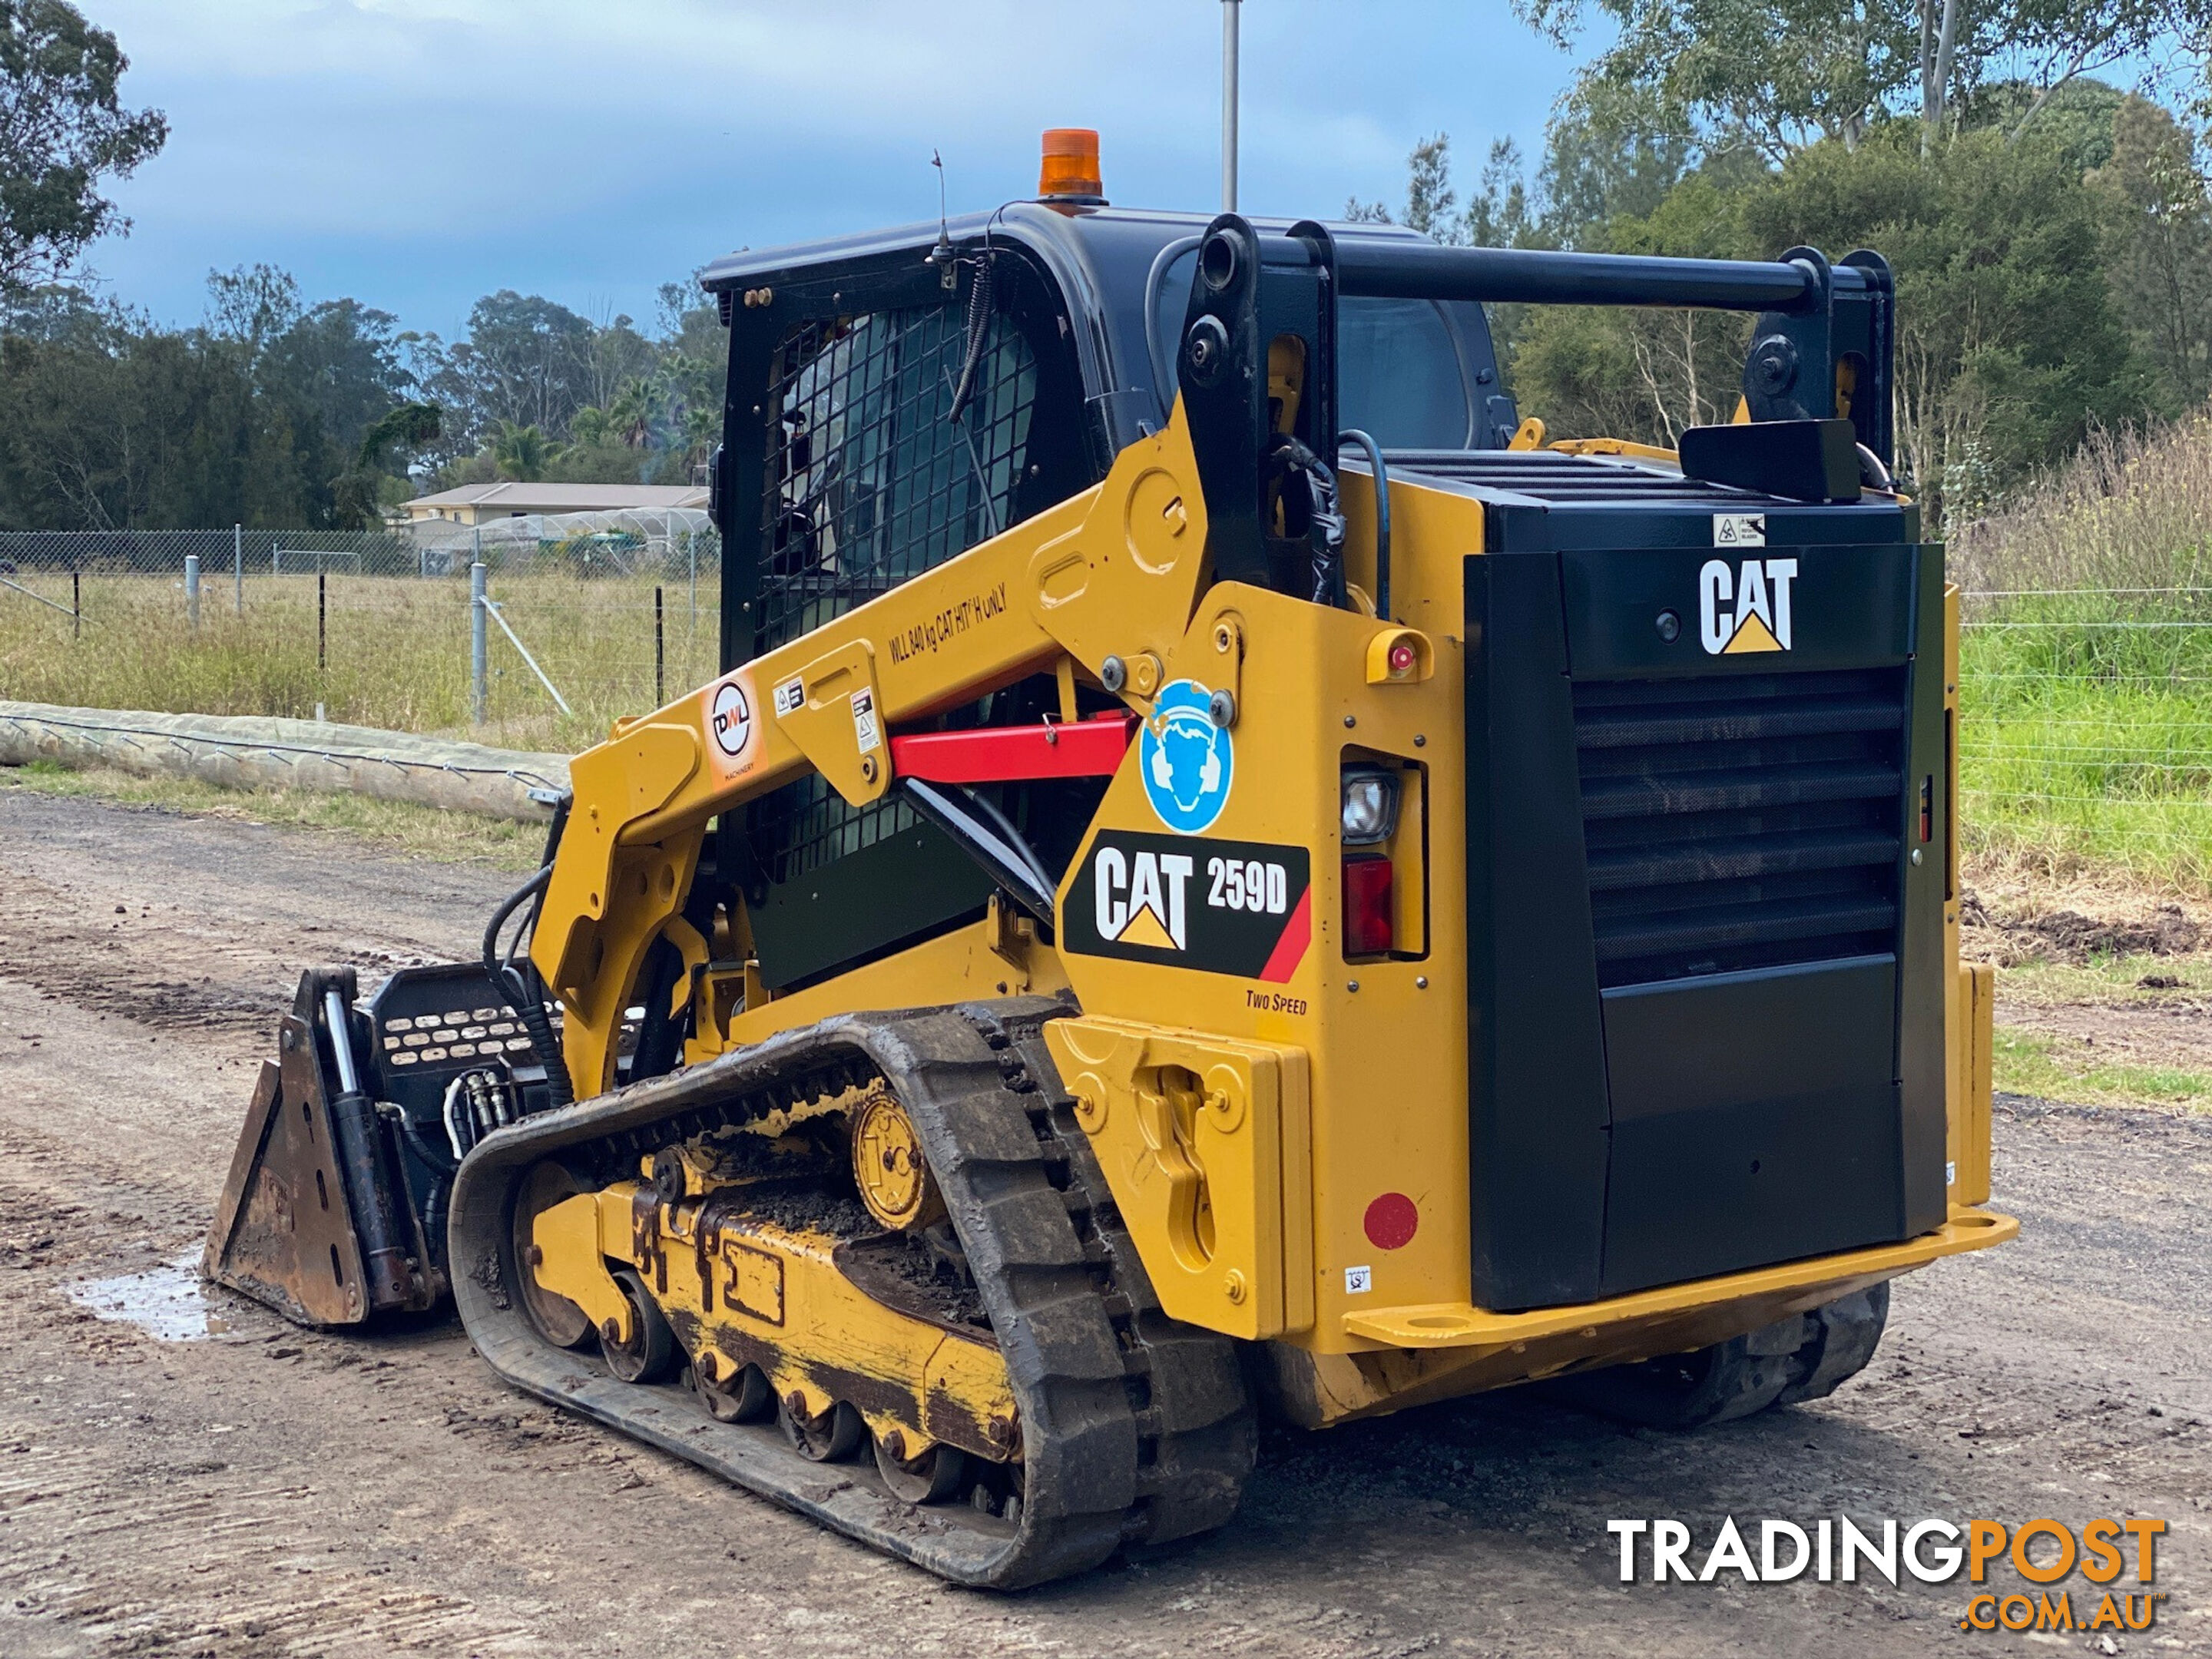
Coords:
pixel 1801 1358
pixel 1135 1430
pixel 1196 1435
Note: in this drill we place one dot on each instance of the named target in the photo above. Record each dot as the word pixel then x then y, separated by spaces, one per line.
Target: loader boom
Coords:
pixel 1114 571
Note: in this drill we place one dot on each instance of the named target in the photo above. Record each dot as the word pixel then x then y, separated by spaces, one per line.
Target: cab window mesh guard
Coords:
pixel 870 483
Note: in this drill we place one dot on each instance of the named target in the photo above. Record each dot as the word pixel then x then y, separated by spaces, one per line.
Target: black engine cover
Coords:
pixel 1705 744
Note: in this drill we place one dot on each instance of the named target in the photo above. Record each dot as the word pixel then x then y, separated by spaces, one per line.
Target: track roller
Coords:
pixel 557 1319
pixel 730 1393
pixel 930 1478
pixel 831 1436
pixel 650 1353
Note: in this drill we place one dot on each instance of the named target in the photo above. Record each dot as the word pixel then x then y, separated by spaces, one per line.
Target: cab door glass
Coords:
pixel 1402 372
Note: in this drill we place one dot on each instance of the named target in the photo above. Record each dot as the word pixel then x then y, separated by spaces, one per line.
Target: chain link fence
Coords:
pixel 588 617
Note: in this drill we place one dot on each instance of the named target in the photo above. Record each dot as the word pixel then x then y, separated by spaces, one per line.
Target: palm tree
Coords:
pixel 630 417
pixel 520 452
pixel 587 426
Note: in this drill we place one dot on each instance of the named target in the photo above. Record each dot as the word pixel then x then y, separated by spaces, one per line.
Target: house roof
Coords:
pixel 511 497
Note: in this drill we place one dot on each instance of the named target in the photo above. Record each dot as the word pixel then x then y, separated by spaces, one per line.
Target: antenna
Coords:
pixel 1229 11
pixel 943 255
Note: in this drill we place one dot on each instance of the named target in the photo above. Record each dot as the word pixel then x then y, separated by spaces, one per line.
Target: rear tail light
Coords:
pixel 1367 906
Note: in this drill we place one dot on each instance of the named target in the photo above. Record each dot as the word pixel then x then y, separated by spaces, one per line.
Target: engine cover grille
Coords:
pixel 1741 821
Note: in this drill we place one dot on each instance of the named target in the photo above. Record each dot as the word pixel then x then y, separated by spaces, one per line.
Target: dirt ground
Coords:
pixel 2104 990
pixel 266 1490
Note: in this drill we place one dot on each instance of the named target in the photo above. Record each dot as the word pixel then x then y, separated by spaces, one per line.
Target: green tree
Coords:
pixel 108 422
pixel 1612 151
pixel 64 132
pixel 341 361
pixel 1776 75
pixel 682 398
pixel 361 493
pixel 251 305
pixel 614 405
pixel 1991 241
pixel 2009 346
pixel 2160 248
pixel 1641 374
pixel 527 362
pixel 1500 216
pixel 521 452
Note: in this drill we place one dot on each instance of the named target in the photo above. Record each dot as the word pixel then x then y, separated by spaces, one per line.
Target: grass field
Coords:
pixel 2119 1029
pixel 395 650
pixel 2086 717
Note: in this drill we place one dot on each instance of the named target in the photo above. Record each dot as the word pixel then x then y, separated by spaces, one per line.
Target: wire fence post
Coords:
pixel 479 647
pixel 691 541
pixel 238 569
pixel 490 608
pixel 322 619
pixel 192 590
pixel 659 656
pixel 77 604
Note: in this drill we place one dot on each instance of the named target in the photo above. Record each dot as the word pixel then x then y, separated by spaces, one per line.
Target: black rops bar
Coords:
pixel 1426 271
pixel 1822 346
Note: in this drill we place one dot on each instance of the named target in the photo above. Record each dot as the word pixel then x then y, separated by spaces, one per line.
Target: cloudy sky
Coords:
pixel 415 153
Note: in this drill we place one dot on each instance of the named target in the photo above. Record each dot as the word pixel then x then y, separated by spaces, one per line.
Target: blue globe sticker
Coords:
pixel 1186 761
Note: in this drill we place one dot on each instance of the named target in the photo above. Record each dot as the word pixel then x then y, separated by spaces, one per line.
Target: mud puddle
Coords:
pixel 170 1303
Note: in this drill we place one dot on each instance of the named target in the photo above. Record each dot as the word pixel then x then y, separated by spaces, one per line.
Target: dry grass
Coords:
pixel 396 651
pixel 425 832
pixel 2128 510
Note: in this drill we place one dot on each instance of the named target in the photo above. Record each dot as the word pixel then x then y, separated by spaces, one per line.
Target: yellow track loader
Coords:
pixel 1223 874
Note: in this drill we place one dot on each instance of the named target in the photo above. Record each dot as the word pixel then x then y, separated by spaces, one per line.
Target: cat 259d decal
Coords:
pixel 1222 906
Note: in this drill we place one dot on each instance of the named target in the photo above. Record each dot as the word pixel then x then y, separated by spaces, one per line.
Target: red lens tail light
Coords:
pixel 1367 906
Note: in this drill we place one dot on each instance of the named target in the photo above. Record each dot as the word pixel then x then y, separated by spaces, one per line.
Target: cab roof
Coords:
pixel 1105 261
pixel 1055 232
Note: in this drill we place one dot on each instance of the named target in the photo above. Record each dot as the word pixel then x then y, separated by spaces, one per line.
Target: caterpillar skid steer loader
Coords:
pixel 1222 874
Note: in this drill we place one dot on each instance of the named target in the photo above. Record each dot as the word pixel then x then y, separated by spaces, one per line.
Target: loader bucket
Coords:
pixel 287 1225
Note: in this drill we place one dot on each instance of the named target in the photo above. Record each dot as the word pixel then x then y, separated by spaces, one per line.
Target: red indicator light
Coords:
pixel 1402 658
pixel 1367 921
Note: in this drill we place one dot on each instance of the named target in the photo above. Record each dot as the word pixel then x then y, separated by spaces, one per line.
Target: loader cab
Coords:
pixel 897 397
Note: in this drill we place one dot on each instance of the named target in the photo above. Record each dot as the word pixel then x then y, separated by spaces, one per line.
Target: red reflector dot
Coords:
pixel 1392 1221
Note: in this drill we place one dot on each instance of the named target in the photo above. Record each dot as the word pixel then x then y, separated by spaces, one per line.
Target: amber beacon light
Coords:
pixel 1070 172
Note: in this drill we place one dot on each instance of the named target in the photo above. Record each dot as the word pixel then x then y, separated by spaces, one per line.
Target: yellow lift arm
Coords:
pixel 1114 571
